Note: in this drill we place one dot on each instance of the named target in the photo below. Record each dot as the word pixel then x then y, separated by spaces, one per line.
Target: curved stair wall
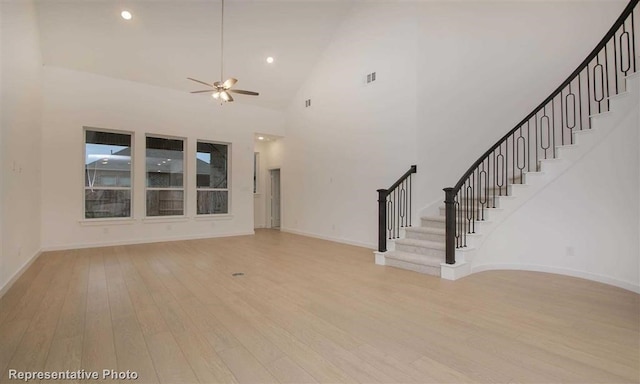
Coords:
pixel 583 219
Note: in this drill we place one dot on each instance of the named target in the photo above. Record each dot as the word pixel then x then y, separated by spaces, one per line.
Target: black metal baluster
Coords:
pixel 633 43
pixel 615 61
pixel 513 159
pixel 588 98
pixel 535 118
pixel 580 98
pixel 561 121
pixel 410 197
pixel 606 74
pixel 529 145
pixel 553 126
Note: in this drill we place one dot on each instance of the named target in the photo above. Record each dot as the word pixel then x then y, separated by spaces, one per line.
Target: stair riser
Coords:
pixel 425 269
pixel 432 224
pixel 478 213
pixel 420 250
pixel 425 236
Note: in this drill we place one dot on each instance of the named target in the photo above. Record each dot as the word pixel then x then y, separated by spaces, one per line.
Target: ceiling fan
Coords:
pixel 221 90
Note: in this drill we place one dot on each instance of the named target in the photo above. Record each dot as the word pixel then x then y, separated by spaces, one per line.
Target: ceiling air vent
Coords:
pixel 307 103
pixel 371 77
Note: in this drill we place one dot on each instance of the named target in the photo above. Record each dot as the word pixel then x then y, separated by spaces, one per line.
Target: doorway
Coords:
pixel 274 197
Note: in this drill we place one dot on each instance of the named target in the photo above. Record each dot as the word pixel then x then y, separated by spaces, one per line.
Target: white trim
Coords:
pixel 213 217
pixel 454 271
pixel 108 221
pixel 330 238
pixel 143 241
pixel 164 219
pixel 560 271
pixel 19 273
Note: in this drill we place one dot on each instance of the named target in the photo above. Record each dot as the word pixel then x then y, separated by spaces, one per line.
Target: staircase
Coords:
pixel 492 188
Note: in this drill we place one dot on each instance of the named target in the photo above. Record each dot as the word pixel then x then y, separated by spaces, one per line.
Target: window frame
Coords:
pixel 228 189
pixel 130 188
pixel 184 178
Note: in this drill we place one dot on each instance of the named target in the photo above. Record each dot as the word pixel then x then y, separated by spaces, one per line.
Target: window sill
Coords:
pixel 107 221
pixel 220 216
pixel 164 219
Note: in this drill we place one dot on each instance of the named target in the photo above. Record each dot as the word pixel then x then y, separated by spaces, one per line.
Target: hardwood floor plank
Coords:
pixel 288 372
pixel 171 364
pixel 308 310
pixel 245 367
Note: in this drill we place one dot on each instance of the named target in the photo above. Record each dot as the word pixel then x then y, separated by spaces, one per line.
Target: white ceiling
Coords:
pixel 168 41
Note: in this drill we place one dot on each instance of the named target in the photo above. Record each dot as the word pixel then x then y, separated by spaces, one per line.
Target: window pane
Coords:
pixel 107 160
pixel 165 203
pixel 165 162
pixel 212 202
pixel 212 165
pixel 107 203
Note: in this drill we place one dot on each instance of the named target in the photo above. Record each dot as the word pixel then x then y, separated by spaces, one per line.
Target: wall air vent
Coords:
pixel 307 103
pixel 371 77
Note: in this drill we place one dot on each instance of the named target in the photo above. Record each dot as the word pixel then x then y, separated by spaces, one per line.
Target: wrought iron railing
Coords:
pixel 394 209
pixel 566 110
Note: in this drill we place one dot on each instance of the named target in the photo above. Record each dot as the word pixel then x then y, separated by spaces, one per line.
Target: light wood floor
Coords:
pixel 308 311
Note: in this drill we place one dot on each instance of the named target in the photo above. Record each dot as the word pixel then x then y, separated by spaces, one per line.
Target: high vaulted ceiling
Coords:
pixel 168 41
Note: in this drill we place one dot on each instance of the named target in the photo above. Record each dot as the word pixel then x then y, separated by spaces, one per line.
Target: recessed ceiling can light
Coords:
pixel 269 59
pixel 260 138
pixel 126 15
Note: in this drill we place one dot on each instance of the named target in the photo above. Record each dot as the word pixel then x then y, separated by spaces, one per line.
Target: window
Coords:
pixel 165 176
pixel 212 182
pixel 107 179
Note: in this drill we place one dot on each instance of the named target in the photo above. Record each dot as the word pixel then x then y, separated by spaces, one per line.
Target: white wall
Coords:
pixel 73 100
pixel 584 223
pixel 483 66
pixel 355 138
pixel 453 77
pixel 21 97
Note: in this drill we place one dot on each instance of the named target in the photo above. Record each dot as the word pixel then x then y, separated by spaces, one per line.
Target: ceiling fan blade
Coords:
pixel 208 90
pixel 251 93
pixel 198 81
pixel 229 83
pixel 224 95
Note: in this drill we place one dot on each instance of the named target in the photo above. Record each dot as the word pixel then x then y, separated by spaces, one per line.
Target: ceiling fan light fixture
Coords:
pixel 221 89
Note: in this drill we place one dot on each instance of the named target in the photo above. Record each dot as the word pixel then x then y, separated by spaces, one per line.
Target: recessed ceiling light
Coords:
pixel 126 15
pixel 269 59
pixel 260 138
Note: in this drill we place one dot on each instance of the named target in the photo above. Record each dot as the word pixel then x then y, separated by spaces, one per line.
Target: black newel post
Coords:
pixel 382 220
pixel 450 226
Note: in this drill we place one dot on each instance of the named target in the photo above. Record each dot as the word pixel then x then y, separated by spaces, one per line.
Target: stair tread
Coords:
pixel 477 206
pixel 442 218
pixel 422 243
pixel 414 258
pixel 435 231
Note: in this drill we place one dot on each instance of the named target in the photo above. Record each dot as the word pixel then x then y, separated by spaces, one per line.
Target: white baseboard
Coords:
pixel 329 238
pixel 19 273
pixel 141 241
pixel 560 271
